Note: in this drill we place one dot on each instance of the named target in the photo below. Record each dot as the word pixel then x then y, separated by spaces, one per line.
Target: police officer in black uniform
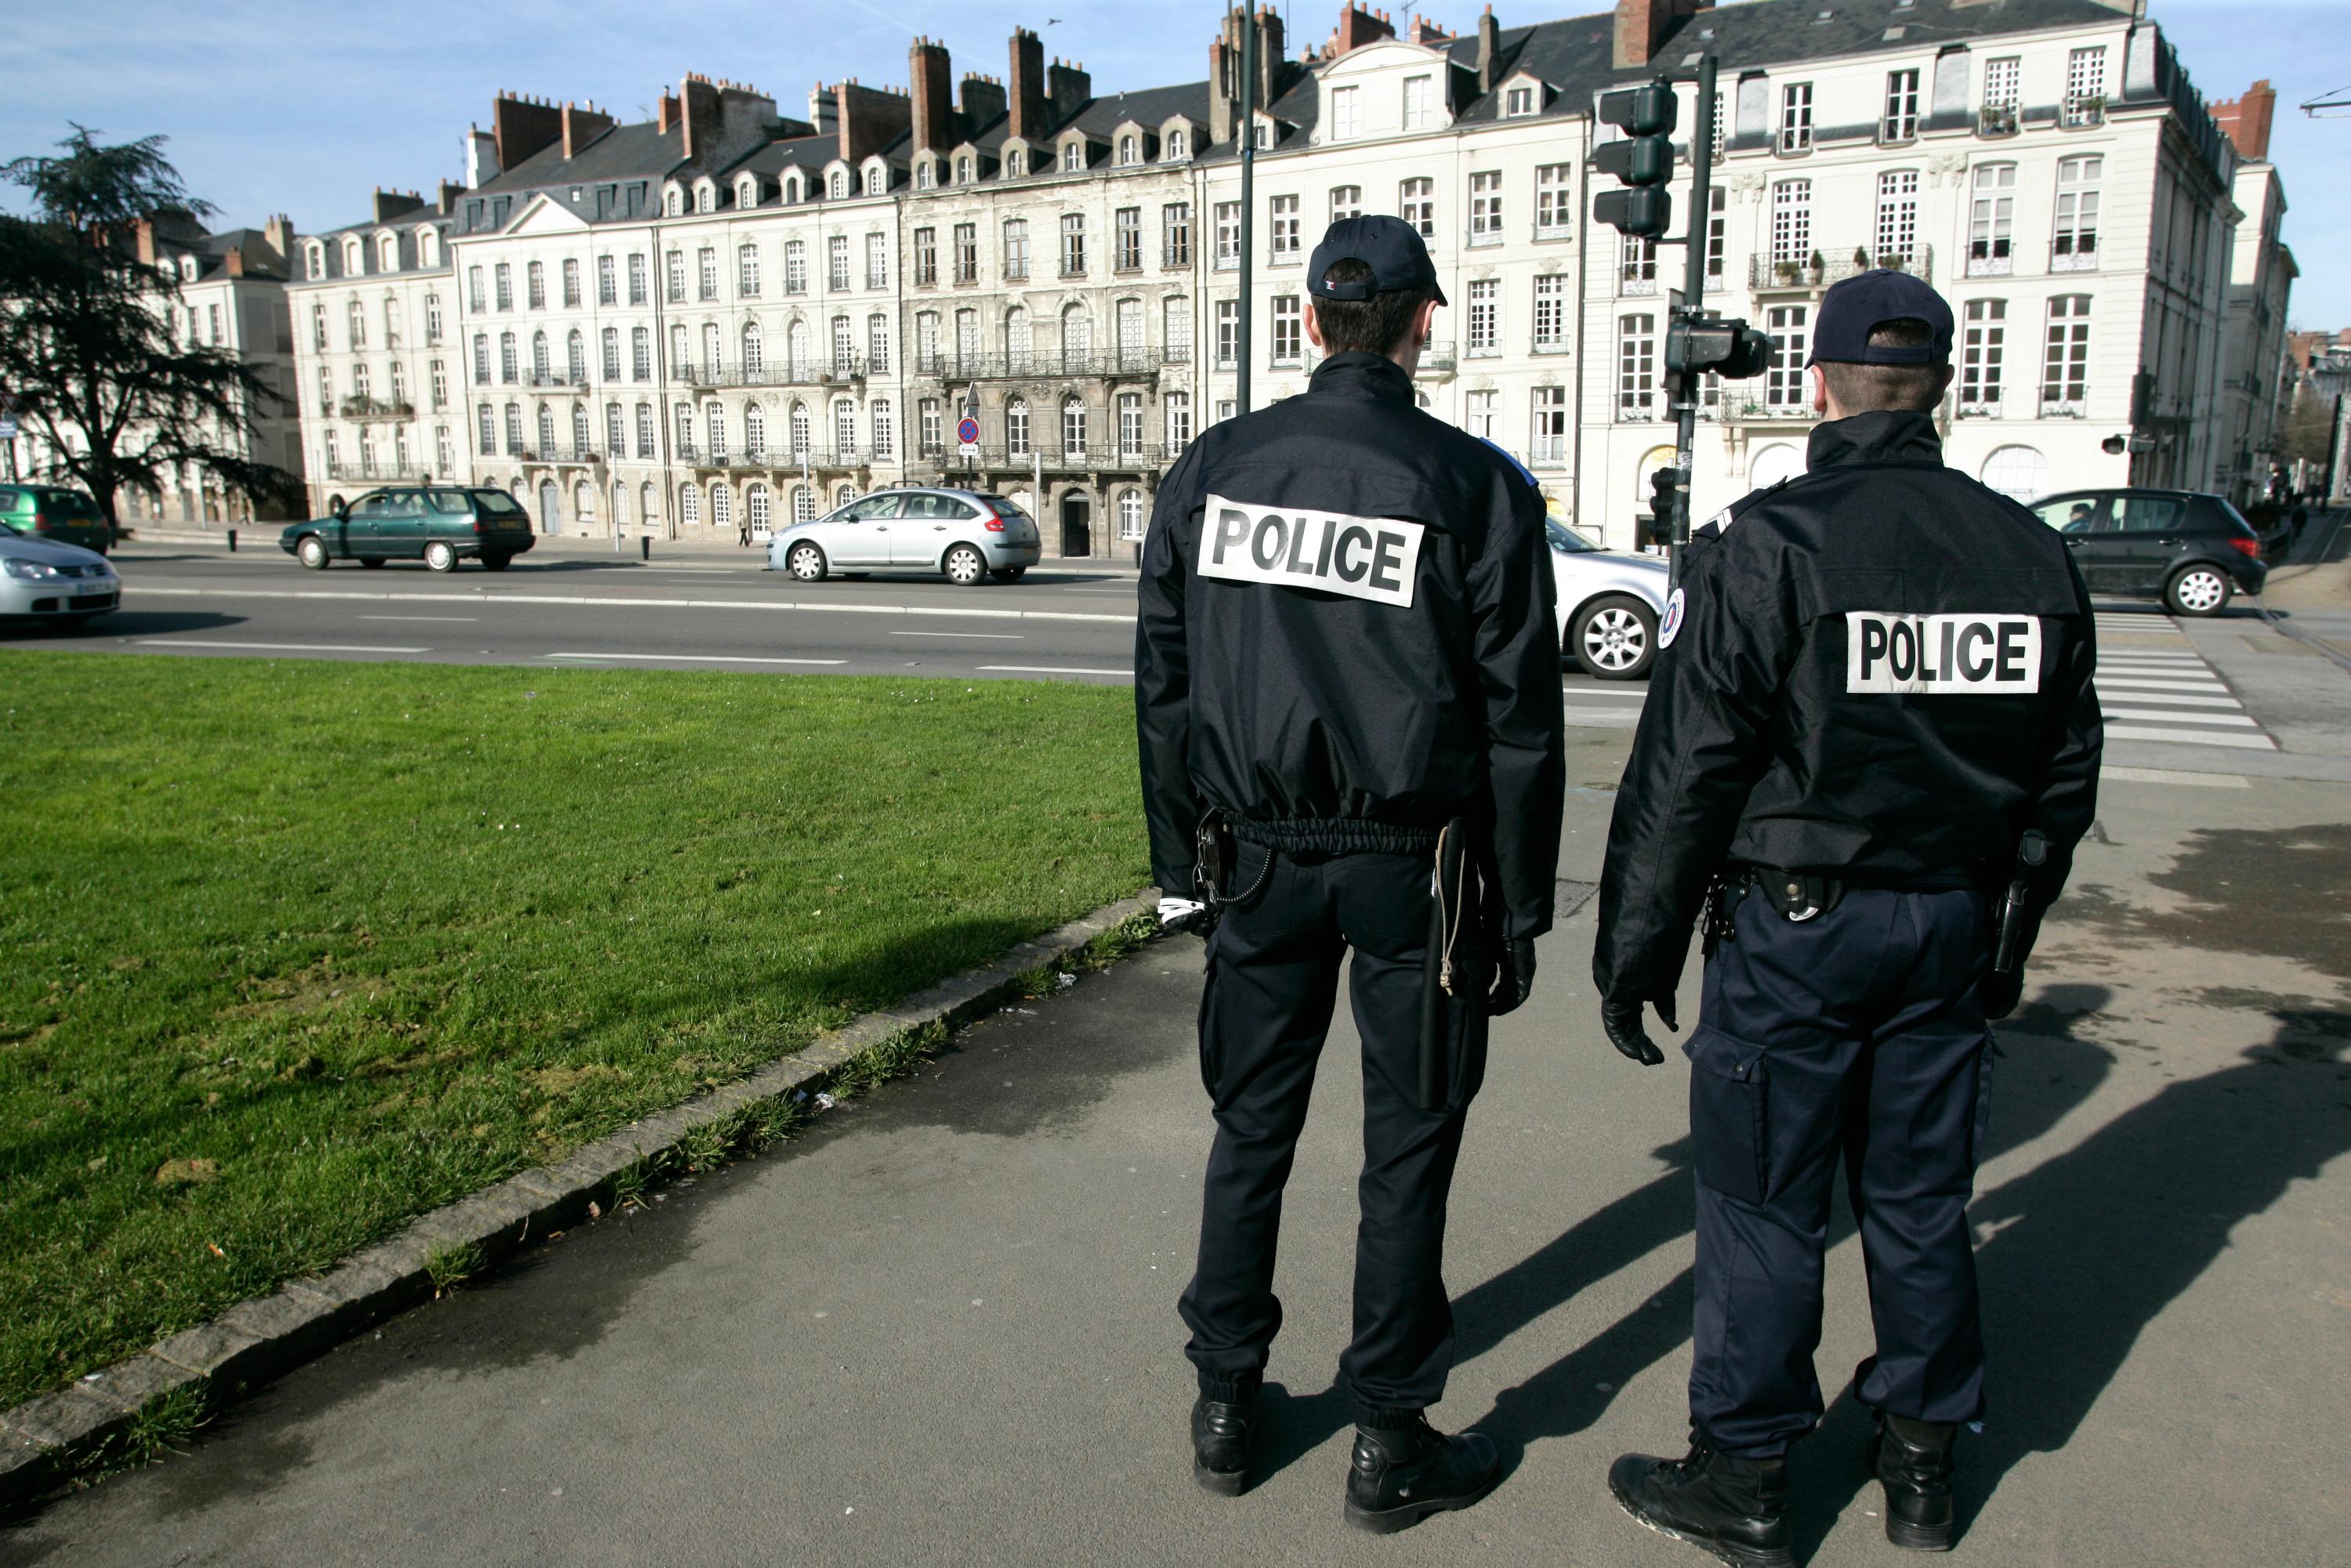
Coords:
pixel 1871 736
pixel 1347 693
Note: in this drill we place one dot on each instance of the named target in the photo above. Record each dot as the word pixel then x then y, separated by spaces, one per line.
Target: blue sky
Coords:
pixel 300 107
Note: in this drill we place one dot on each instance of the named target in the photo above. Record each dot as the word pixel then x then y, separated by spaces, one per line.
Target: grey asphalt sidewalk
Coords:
pixel 941 1328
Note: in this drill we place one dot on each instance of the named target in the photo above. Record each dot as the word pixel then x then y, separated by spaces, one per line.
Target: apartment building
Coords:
pixel 378 368
pixel 2256 381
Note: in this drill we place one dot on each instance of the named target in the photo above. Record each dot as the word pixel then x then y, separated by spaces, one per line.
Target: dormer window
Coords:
pixel 840 186
pixel 1264 135
pixel 793 190
pixel 746 194
pixel 188 269
pixel 1178 145
pixel 1073 157
pixel 1517 101
pixel 706 198
pixel 428 248
pixel 1016 162
pixel 353 262
pixel 317 261
pixel 388 253
pixel 926 174
pixel 1130 151
pixel 672 202
pixel 877 179
pixel 963 170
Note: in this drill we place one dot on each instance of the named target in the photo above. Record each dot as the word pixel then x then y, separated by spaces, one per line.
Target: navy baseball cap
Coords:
pixel 1857 307
pixel 1391 248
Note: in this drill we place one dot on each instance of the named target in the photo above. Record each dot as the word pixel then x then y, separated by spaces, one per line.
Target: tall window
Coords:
pixel 754 352
pixel 2074 247
pixel 798 426
pixel 355 325
pixel 481 359
pixel 608 283
pixel 1991 215
pixel 1791 222
pixel 746 271
pixel 1486 207
pixel 1129 425
pixel 1477 412
pixel 884 439
pixel 1485 334
pixel 928 430
pixel 1347 201
pixel 927 341
pixel 487 431
pixel 1796 116
pixel 433 318
pixel 1416 204
pixel 319 328
pixel 1636 366
pixel 1073 156
pixel 1175 330
pixel 477 301
pixel 1016 249
pixel 1019 342
pixel 641 354
pixel 1282 231
pixel 508 367
pixel 714 420
pixel 837 259
pixel 795 267
pixel 1550 313
pixel 1074 245
pixel 926 255
pixel 1554 201
pixel 2085 86
pixel 1128 326
pixel 1289 340
pixel 1016 427
pixel 2065 362
pixel 1550 428
pixel 1176 235
pixel 1983 344
pixel 713 356
pixel 844 347
pixel 1718 202
pixel 1901 121
pixel 1177 146
pixel 1127 240
pixel 1131 517
pixel 571 283
pixel 966 253
pixel 440 386
pixel 616 431
pixel 1415 103
pixel 1177 407
pixel 1784 382
pixel 675 277
pixel 637 277
pixel 1130 151
pixel 1073 425
pixel 575 358
pixel 877 344
pixel 706 271
pixel 1229 233
pixel 2001 77
pixel 1343 113
pixel 536 281
pixel 644 430
pixel 967 331
pixel 877 261
pixel 1637 267
pixel 1228 333
pixel 1898 215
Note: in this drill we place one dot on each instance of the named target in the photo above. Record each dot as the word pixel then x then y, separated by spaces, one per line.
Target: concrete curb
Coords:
pixel 46 1441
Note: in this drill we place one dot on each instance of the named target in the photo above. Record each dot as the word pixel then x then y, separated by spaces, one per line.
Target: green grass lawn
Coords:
pixel 296 951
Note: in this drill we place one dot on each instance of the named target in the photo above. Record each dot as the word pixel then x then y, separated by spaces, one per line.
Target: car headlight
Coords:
pixel 30 571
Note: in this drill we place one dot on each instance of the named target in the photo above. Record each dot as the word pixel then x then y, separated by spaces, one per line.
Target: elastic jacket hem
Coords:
pixel 1336 835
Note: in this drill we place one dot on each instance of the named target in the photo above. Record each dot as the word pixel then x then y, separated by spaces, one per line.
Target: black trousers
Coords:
pixel 1858 1036
pixel 1273 980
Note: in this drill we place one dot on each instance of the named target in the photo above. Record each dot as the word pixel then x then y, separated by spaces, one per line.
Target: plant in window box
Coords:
pixel 1820 267
pixel 1785 271
pixel 1861 259
pixel 1891 262
pixel 2092 108
pixel 1998 120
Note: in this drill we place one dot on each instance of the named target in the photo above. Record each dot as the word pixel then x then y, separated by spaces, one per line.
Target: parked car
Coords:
pixel 54 512
pixel 46 580
pixel 1608 605
pixel 2194 551
pixel 439 524
pixel 967 535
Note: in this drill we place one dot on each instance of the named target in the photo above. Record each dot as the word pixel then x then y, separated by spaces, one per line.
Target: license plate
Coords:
pixel 83 589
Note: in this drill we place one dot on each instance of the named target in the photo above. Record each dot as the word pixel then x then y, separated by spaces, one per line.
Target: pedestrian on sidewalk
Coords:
pixel 1872 711
pixel 1347 698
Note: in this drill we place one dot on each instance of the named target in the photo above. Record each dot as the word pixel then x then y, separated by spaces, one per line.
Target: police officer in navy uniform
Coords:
pixel 1870 735
pixel 1348 702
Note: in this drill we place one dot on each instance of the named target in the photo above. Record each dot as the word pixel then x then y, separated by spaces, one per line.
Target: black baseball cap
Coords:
pixel 1391 248
pixel 1852 309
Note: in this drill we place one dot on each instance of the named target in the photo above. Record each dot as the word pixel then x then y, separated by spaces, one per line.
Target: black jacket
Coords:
pixel 1347 637
pixel 1881 670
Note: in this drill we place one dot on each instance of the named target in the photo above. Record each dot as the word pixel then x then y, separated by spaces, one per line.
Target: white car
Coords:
pixel 1609 604
pixel 62 584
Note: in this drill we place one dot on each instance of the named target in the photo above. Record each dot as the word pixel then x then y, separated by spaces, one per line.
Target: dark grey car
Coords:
pixel 2191 549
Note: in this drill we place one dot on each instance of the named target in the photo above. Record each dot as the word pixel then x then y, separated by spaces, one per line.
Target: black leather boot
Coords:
pixel 1735 1509
pixel 1222 1435
pixel 1913 1461
pixel 1401 1475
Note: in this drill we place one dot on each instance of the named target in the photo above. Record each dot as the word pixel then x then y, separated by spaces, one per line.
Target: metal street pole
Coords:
pixel 1687 382
pixel 1249 197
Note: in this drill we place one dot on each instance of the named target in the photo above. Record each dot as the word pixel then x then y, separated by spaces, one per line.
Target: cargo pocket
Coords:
pixel 1727 1095
pixel 1252 869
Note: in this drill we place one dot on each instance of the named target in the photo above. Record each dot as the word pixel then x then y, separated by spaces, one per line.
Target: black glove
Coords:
pixel 1514 977
pixel 1622 1020
pixel 2000 993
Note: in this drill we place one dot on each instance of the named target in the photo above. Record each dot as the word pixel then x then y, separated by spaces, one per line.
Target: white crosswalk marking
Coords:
pixel 2169 694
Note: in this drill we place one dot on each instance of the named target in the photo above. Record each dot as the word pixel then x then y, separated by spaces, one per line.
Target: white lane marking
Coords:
pixel 2175 776
pixel 2170 700
pixel 2154 655
pixel 698 658
pixel 2189 736
pixel 2150 683
pixel 469 620
pixel 996 636
pixel 2159 714
pixel 483 596
pixel 1128 593
pixel 274 647
pixel 1638 694
pixel 1601 717
pixel 1047 670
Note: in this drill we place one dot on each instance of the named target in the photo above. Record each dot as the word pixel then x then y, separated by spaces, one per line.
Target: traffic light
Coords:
pixel 1644 160
pixel 1729 348
pixel 1662 483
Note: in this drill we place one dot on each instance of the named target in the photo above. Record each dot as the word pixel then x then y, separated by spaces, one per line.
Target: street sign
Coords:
pixel 7 404
pixel 7 429
pixel 967 431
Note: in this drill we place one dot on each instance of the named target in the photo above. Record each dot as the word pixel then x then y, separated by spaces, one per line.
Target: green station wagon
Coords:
pixel 54 513
pixel 439 524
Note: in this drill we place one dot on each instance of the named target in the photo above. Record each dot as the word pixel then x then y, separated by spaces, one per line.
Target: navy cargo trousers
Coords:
pixel 1857 1036
pixel 1272 982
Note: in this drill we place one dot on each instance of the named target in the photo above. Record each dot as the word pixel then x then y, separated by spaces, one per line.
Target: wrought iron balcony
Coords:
pixel 1765 276
pixel 785 372
pixel 947 365
pixel 374 408
pixel 383 473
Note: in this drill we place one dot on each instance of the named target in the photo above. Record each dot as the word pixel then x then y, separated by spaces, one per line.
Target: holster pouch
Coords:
pixel 1797 895
pixel 1212 864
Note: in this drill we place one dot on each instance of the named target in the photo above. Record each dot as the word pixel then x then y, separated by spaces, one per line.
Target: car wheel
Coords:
pixel 441 555
pixel 1009 573
pixel 371 560
pixel 2197 589
pixel 806 562
pixel 1614 638
pixel 496 562
pixel 965 566
pixel 312 552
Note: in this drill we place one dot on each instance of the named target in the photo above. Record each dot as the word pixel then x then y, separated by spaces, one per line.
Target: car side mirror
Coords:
pixel 343 513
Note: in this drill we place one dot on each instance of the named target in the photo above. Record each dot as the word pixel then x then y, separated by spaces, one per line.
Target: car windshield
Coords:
pixel 1564 538
pixel 499 502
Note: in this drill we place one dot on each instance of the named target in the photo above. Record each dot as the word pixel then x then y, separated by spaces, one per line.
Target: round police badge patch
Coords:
pixel 1671 626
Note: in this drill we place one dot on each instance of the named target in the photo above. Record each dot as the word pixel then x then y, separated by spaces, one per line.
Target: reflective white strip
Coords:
pixel 1979 653
pixel 1373 559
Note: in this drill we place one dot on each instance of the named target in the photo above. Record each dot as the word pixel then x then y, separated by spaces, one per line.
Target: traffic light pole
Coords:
pixel 1687 382
pixel 1249 204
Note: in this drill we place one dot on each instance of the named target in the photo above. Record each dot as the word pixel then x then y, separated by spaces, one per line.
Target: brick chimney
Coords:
pixel 1423 31
pixel 233 264
pixel 2247 120
pixel 871 118
pixel 1642 26
pixel 450 191
pixel 1489 48
pixel 143 233
pixel 929 84
pixel 582 123
pixel 1069 88
pixel 1358 26
pixel 1269 58
pixel 699 96
pixel 522 126
pixel 390 205
pixel 1026 90
pixel 665 113
pixel 983 102
pixel 278 232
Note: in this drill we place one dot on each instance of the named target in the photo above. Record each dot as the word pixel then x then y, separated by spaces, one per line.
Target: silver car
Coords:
pixel 1608 605
pixel 63 584
pixel 967 535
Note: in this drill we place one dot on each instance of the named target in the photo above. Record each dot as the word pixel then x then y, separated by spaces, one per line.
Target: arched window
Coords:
pixel 428 248
pixel 722 505
pixel 1016 162
pixel 746 194
pixel 689 504
pixel 1130 515
pixel 580 437
pixel 1179 144
pixel 616 432
pixel 575 355
pixel 1130 151
pixel 583 503
pixel 2020 473
pixel 796 350
pixel 710 349
pixel 706 198
pixel 542 365
pixel 1073 426
pixel 648 503
pixel 963 170
pixel 681 364
pixel 800 430
pixel 1016 427
pixel 546 433
pixel 550 509
pixel 672 202
pixel 317 261
pixel 751 357
pixel 714 419
pixel 756 507
pixel 804 504
pixel 795 189
pixel 877 179
pixel 845 495
pixel 844 347
pixel 877 345
pixel 354 259
pixel 1774 463
pixel 1073 156
pixel 1077 340
pixel 840 184
pixel 1017 344
pixel 620 507
pixel 844 428
pixel 926 174
pixel 884 437
pixel 755 432
pixel 388 253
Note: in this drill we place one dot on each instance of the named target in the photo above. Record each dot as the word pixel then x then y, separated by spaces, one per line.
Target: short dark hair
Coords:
pixel 1376 325
pixel 1915 389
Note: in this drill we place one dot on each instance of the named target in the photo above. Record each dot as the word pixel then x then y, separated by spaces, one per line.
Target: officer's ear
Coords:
pixel 1424 319
pixel 1313 323
pixel 1819 391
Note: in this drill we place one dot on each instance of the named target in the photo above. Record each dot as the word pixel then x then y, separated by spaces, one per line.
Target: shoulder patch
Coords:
pixel 1670 626
pixel 1374 558
pixel 1523 471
